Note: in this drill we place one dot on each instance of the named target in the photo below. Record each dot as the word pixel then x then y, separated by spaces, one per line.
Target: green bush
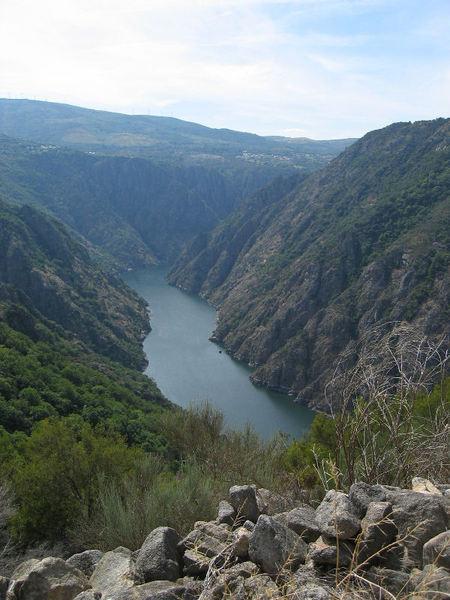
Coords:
pixel 56 475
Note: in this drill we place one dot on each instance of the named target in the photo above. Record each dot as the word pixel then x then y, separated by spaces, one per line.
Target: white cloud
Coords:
pixel 226 63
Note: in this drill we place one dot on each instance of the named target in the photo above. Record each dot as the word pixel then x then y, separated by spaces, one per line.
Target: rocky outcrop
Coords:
pixel 375 542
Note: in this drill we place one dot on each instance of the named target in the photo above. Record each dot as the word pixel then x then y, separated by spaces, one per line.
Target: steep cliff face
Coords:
pixel 45 269
pixel 300 276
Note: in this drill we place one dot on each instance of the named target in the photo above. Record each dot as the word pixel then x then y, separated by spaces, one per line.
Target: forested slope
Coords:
pixel 299 277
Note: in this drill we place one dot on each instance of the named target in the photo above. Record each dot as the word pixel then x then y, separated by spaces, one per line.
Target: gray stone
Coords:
pixel 158 557
pixel 195 563
pixel 221 532
pixel 395 582
pixel 114 572
pixel 226 513
pixel 433 583
pixel 260 587
pixel 302 520
pixel 243 500
pixel 271 503
pixel 203 543
pixel 85 561
pixel 240 543
pixel 362 494
pixel 274 546
pixel 331 552
pixel 153 590
pixel 437 550
pixel 337 517
pixel 249 525
pixel 89 595
pixel 418 517
pixel 377 532
pixel 47 579
pixel 4 584
pixel 312 591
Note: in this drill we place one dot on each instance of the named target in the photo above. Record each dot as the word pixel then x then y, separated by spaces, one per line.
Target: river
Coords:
pixel 189 368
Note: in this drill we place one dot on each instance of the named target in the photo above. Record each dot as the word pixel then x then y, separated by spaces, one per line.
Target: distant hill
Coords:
pixel 161 138
pixel 302 271
pixel 139 188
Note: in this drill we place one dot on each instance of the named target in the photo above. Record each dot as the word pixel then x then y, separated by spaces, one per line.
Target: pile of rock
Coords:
pixel 375 542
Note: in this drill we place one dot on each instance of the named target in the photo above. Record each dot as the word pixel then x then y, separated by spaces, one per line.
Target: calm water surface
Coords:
pixel 189 368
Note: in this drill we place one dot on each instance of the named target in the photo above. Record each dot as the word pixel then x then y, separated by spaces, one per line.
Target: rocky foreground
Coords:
pixel 375 542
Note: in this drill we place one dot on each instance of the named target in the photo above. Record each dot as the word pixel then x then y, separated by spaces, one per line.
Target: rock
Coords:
pixel 331 552
pixel 158 557
pixel 203 543
pixel 47 579
pixel 418 517
pixel 229 581
pixel 437 550
pixel 226 513
pixel 274 546
pixel 377 532
pixel 270 503
pixel 240 543
pixel 243 500
pixel 195 563
pixel 433 583
pixel 362 494
pixel 337 517
pixel 114 572
pixel 424 486
pixel 155 590
pixel 4 584
pixel 395 582
pixel 312 591
pixel 260 587
pixel 85 561
pixel 244 569
pixel 89 595
pixel 302 520
pixel 220 532
pixel 249 525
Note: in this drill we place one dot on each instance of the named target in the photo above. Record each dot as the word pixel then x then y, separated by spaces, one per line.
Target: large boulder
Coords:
pixel 47 579
pixel 302 520
pixel 437 550
pixel 158 557
pixel 85 561
pixel 274 547
pixel 244 501
pixel 114 572
pixel 337 517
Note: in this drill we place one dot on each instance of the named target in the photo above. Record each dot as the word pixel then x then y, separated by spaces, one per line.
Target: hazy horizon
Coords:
pixel 323 69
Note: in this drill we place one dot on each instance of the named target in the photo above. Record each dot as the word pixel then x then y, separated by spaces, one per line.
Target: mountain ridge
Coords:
pixel 316 265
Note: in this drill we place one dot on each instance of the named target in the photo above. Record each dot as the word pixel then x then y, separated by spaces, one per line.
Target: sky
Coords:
pixel 317 68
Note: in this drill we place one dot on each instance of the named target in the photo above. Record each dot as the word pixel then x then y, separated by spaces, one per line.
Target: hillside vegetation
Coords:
pixel 299 277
